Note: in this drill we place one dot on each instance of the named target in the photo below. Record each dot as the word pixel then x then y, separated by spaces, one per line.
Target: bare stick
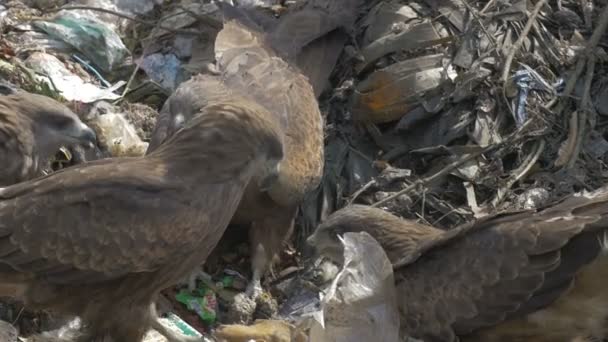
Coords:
pixel 360 191
pixel 441 173
pixel 586 100
pixel 589 47
pixel 449 168
pixel 520 40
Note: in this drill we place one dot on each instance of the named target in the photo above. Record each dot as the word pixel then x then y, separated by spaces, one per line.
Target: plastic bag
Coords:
pixel 360 305
pixel 89 36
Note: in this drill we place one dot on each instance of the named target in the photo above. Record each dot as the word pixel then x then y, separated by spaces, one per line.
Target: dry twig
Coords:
pixel 578 118
pixel 519 173
pixel 589 49
pixel 515 48
pixel 449 168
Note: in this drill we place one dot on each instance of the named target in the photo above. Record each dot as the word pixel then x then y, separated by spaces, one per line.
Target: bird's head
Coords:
pixel 54 125
pixel 354 218
pixel 396 235
pixel 229 139
pixel 267 136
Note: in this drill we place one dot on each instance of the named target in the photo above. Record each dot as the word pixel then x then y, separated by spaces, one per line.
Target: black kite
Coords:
pixel 100 240
pixel 32 129
pixel 523 276
pixel 249 67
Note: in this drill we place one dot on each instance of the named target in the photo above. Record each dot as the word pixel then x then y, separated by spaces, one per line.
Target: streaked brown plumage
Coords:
pixel 100 240
pixel 32 129
pixel 522 276
pixel 249 67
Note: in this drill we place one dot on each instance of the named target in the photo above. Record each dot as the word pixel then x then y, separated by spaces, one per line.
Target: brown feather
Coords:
pixel 510 277
pixel 102 239
pixel 251 68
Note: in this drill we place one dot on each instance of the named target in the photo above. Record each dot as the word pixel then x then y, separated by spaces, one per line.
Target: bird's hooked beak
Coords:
pixel 82 133
pixel 271 175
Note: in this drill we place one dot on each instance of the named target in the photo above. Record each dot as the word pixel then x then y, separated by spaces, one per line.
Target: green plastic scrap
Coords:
pixel 182 326
pixel 89 36
pixel 227 281
pixel 202 301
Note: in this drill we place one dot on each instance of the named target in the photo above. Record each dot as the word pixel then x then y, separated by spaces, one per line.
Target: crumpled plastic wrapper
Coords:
pixel 7 332
pixel 118 136
pixel 89 36
pixel 360 304
pixel 163 69
pixel 70 85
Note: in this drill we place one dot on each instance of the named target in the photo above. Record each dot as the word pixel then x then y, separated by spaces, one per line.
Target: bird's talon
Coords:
pixel 254 289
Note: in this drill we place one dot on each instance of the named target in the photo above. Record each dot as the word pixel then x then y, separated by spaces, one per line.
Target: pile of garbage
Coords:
pixel 442 111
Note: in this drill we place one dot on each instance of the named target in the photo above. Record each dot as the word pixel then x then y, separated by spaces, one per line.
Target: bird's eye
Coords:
pixel 59 121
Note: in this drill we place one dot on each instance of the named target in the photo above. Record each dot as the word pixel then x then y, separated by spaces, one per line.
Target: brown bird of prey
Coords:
pixel 523 276
pixel 32 129
pixel 251 68
pixel 100 240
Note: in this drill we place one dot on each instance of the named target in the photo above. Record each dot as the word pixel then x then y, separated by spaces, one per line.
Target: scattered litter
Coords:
pixel 141 116
pixel 260 330
pixel 89 36
pixel 176 324
pixel 419 36
pixel 241 309
pixel 8 333
pixel 527 79
pixel 163 69
pixel 533 198
pixel 360 304
pixel 202 301
pixel 387 94
pixel 92 70
pixel 52 71
pixel 116 135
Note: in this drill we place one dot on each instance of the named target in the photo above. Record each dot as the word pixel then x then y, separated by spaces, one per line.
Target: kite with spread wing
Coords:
pixel 520 276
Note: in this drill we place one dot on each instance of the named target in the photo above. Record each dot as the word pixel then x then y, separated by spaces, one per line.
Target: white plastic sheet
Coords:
pixel 120 135
pixel 71 86
pixel 360 305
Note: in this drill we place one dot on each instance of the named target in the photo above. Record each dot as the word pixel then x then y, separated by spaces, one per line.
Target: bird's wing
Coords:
pixel 250 67
pixel 13 156
pixel 105 220
pixel 16 143
pixel 507 266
